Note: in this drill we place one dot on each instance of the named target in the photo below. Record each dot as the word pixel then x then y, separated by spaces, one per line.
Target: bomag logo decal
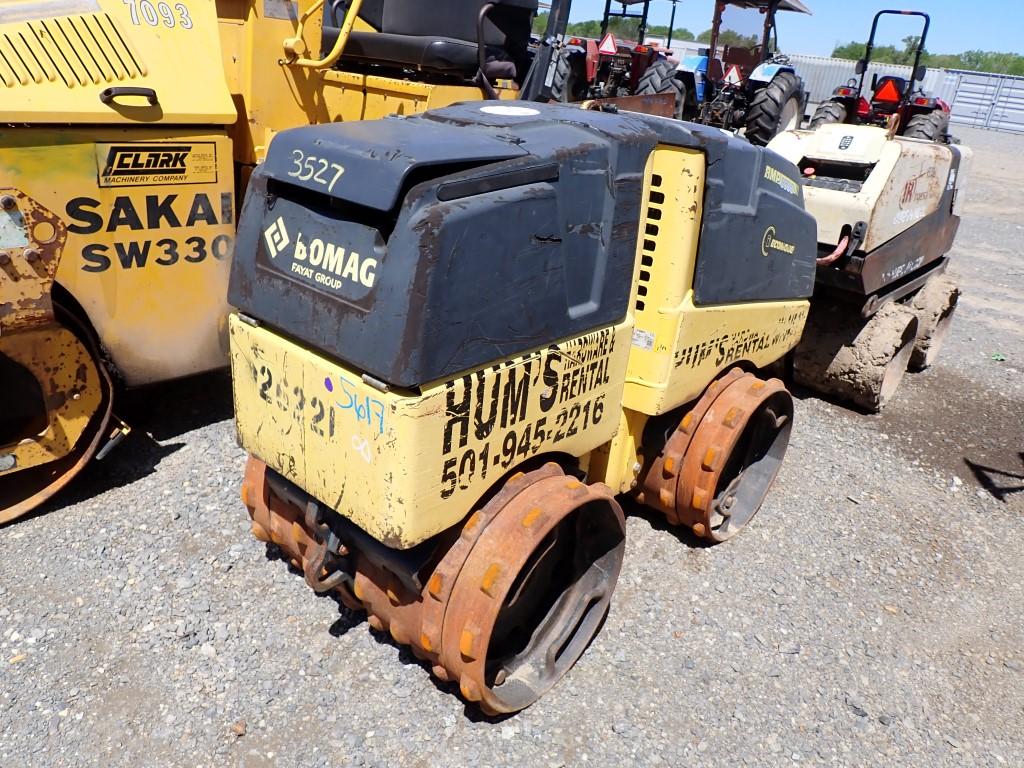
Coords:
pixel 276 237
pixel 771 242
pixel 318 262
pixel 331 265
pixel 135 165
pixel 781 180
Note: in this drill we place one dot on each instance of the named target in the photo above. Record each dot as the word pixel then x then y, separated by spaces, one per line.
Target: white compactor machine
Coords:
pixel 888 209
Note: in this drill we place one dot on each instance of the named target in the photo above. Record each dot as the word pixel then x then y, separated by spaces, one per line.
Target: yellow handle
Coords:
pixel 892 125
pixel 295 46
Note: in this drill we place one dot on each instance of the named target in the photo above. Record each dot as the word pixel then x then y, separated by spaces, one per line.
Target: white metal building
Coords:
pixel 984 100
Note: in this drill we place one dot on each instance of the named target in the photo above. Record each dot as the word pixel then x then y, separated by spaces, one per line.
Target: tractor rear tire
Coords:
pixel 660 77
pixel 777 107
pixel 828 112
pixel 561 83
pixel 930 126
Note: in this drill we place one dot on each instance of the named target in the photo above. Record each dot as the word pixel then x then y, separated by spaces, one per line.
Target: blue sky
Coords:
pixel 957 25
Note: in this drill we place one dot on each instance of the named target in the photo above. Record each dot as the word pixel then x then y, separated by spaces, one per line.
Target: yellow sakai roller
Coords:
pixel 130 129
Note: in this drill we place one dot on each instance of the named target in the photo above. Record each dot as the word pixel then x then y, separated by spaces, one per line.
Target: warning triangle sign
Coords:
pixel 888 92
pixel 609 45
pixel 733 76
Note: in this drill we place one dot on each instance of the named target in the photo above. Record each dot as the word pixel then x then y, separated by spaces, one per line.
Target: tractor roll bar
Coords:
pixel 624 14
pixel 917 54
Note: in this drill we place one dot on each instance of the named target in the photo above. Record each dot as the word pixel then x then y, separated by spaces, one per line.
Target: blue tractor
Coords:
pixel 741 80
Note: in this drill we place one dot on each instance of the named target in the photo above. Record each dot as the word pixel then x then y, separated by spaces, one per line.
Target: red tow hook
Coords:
pixel 839 251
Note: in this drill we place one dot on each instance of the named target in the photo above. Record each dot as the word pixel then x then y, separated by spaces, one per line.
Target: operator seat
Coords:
pixel 439 35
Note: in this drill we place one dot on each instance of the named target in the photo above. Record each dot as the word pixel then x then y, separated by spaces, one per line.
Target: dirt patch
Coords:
pixel 960 427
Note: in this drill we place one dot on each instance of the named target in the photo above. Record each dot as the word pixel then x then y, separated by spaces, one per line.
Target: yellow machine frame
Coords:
pixel 406 466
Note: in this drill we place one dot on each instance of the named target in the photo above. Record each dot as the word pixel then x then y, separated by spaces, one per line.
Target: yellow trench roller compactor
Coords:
pixel 450 363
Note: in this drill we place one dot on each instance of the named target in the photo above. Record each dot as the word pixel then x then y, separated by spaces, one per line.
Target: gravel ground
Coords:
pixel 872 615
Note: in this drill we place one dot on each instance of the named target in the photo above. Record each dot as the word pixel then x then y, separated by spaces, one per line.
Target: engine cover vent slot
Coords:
pixel 84 49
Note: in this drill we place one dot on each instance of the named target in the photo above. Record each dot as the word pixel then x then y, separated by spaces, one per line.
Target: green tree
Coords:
pixel 991 61
pixel 661 30
pixel 849 51
pixel 590 28
pixel 910 43
pixel 883 54
pixel 982 61
pixel 730 37
pixel 624 28
pixel 540 23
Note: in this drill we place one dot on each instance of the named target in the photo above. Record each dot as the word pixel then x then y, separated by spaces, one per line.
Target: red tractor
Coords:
pixel 918 115
pixel 607 68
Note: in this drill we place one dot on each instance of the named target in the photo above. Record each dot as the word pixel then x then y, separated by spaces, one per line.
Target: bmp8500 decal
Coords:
pixel 163 213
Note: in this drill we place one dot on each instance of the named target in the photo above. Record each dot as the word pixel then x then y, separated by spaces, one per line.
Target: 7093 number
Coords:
pixel 155 13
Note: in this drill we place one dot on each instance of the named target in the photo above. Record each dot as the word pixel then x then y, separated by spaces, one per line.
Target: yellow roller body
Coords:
pixel 407 467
